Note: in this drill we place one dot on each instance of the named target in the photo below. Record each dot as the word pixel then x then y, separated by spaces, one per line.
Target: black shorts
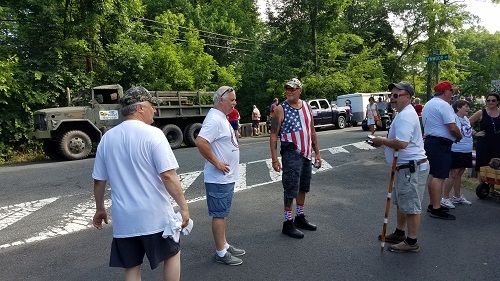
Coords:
pixel 461 160
pixel 129 252
pixel 255 123
pixel 438 151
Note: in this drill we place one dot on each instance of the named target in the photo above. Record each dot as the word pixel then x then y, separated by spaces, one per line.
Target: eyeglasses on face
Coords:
pixel 395 96
pixel 228 90
pixel 290 89
pixel 491 100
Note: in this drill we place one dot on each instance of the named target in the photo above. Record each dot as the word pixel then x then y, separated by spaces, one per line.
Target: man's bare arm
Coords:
pixel 172 184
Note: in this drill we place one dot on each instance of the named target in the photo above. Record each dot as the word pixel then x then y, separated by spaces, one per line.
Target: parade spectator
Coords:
pixel 441 132
pixel 219 146
pixel 371 114
pixel 294 126
pixel 137 160
pixel 381 105
pixel 255 120
pixel 418 106
pixel 234 120
pixel 461 157
pixel 271 113
pixel 412 168
pixel 488 136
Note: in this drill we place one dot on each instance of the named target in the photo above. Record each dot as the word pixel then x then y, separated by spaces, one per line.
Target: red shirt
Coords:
pixel 418 109
pixel 234 115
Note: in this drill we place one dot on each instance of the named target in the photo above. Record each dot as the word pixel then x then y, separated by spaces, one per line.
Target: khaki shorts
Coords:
pixel 408 191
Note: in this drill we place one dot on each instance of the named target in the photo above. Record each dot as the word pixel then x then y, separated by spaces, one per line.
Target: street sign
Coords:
pixel 436 58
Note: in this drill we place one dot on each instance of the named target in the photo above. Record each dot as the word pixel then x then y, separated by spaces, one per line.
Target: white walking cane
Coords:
pixel 388 202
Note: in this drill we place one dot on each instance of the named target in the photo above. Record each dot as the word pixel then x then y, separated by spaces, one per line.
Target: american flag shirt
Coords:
pixel 296 128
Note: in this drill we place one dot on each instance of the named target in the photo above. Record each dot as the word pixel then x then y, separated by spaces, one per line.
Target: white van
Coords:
pixel 359 101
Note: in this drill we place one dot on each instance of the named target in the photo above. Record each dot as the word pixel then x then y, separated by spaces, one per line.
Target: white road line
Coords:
pixel 13 213
pixel 78 219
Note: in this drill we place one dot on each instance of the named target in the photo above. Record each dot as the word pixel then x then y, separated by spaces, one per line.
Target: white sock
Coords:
pixel 226 246
pixel 221 253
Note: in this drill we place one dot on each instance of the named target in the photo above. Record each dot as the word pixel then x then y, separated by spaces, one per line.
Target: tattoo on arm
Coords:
pixel 274 125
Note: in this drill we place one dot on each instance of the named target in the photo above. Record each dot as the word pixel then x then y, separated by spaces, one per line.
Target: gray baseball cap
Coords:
pixel 138 94
pixel 402 86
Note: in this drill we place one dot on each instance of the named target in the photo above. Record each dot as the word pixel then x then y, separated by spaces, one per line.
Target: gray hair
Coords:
pixel 130 109
pixel 438 93
pixel 221 92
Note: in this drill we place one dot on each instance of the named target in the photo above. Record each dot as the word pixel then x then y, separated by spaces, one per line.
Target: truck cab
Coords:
pixel 326 114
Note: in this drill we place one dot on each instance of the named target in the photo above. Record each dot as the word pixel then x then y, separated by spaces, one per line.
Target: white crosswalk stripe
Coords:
pixel 80 217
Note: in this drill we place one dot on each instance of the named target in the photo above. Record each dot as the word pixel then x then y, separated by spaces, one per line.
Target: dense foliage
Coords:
pixel 334 46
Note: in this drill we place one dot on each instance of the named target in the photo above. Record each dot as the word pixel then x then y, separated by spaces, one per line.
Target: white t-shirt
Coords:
pixel 465 144
pixel 406 127
pixel 219 133
pixel 131 156
pixel 436 114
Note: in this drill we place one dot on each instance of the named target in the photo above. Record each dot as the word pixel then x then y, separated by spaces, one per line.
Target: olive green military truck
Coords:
pixel 69 132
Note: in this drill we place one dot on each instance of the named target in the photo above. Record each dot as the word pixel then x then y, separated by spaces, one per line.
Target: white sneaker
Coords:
pixel 447 203
pixel 460 200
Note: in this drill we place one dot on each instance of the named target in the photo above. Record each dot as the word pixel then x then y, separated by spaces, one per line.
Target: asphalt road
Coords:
pixel 45 233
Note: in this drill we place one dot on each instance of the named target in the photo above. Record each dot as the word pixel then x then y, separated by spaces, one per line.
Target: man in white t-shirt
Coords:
pixel 441 132
pixel 412 169
pixel 218 144
pixel 138 162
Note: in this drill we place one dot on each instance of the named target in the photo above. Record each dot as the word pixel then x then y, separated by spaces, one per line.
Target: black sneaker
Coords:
pixel 441 214
pixel 290 230
pixel 301 222
pixel 445 209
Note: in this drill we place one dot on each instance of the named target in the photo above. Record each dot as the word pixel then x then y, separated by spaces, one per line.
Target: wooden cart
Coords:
pixel 490 177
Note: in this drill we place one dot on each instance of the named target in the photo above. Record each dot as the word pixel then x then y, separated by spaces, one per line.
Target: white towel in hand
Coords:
pixel 174 227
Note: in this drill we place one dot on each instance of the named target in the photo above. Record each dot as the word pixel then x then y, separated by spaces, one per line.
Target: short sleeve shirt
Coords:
pixel 224 145
pixel 406 127
pixel 132 156
pixel 436 115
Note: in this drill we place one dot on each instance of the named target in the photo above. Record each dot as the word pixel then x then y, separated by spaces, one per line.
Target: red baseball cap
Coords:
pixel 443 86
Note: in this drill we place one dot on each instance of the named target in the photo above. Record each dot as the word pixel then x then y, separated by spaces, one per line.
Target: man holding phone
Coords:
pixel 412 168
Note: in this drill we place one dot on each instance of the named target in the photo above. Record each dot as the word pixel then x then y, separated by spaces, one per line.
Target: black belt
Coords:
pixel 407 166
pixel 443 140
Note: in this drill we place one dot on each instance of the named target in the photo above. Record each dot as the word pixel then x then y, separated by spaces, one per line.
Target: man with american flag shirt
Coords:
pixel 294 125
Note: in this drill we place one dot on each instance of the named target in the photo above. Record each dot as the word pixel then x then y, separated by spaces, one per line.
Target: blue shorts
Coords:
pixel 370 121
pixel 296 173
pixel 129 252
pixel 234 124
pixel 219 199
pixel 438 151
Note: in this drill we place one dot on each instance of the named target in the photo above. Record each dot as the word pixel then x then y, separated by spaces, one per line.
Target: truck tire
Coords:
pixel 75 145
pixel 173 134
pixel 340 122
pixel 190 133
pixel 51 149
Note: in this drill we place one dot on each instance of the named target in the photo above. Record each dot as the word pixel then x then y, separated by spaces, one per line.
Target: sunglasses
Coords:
pixel 228 90
pixel 491 100
pixel 395 96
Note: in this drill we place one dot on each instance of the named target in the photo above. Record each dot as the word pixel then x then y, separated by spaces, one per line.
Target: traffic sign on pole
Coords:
pixel 436 58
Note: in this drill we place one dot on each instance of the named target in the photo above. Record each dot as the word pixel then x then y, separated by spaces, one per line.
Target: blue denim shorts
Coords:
pixel 219 199
pixel 296 173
